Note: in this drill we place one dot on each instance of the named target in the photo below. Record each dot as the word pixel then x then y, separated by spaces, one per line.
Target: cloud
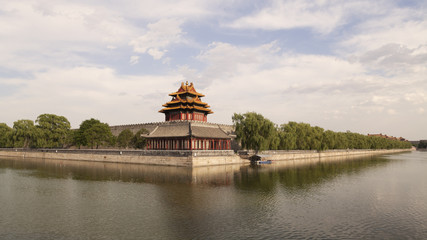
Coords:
pixel 349 64
pixel 60 34
pixel 403 26
pixel 159 36
pixel 134 60
pixel 321 16
pixel 392 43
pixel 328 91
pixel 84 92
pixel 417 97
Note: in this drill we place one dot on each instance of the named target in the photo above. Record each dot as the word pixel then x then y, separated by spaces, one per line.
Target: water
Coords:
pixel 381 197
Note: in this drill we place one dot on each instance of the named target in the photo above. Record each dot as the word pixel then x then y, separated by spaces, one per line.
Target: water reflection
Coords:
pixel 302 174
pixel 341 198
pixel 95 171
pixel 292 175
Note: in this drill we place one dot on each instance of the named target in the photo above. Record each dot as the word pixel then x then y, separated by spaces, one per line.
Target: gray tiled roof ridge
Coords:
pixel 186 129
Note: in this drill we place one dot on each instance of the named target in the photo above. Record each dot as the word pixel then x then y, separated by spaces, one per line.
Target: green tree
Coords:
pixel 138 140
pixel 422 144
pixel 342 141
pixel 5 135
pixel 288 136
pixel 316 138
pixel 24 133
pixel 254 131
pixel 93 133
pixel 303 132
pixel 124 139
pixel 54 130
pixel 329 140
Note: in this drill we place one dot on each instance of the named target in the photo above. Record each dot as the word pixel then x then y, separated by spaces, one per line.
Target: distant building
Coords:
pixel 388 137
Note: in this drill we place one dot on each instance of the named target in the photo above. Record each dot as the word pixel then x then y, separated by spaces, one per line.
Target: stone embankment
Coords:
pixel 180 157
pixel 298 154
pixel 168 157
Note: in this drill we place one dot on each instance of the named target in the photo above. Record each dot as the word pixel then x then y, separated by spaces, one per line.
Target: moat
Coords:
pixel 381 197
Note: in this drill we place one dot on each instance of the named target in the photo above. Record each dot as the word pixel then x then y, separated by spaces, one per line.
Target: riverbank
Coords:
pixel 299 154
pixel 180 158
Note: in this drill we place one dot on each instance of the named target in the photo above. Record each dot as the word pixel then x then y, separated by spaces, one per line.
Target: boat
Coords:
pixel 260 159
pixel 264 162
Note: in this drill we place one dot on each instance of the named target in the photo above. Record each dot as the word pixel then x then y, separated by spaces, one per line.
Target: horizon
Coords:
pixel 358 66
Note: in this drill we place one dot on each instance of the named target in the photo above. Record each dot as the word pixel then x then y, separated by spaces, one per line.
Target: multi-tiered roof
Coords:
pixel 186 104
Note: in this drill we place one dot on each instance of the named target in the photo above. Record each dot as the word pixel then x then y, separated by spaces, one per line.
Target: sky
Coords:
pixel 343 65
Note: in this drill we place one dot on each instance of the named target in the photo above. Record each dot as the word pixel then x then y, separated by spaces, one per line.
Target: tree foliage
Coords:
pixel 138 140
pixel 124 139
pixel 5 135
pixel 257 133
pixel 53 131
pixel 93 133
pixel 24 134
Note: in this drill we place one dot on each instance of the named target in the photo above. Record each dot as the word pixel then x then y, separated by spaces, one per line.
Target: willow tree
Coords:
pixel 5 135
pixel 54 130
pixel 24 133
pixel 288 136
pixel 255 132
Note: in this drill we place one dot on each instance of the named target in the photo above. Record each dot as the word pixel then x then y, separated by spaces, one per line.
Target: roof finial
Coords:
pixel 186 83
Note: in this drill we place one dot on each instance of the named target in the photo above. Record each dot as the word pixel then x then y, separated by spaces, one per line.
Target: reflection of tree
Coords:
pixel 253 177
pixel 94 171
pixel 296 178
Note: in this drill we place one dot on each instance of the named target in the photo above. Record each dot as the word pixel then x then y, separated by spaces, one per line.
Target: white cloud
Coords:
pixel 72 58
pixel 417 97
pixel 134 60
pixel 161 9
pixel 402 26
pixel 321 16
pixel 84 92
pixel 159 36
pixel 391 111
pixel 391 44
pixel 59 33
pixel 323 90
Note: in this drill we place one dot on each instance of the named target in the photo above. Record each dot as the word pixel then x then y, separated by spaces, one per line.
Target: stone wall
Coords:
pixel 295 155
pixel 181 158
pixel 168 158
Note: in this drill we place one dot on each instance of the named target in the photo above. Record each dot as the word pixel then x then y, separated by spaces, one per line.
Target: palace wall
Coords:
pixel 166 158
